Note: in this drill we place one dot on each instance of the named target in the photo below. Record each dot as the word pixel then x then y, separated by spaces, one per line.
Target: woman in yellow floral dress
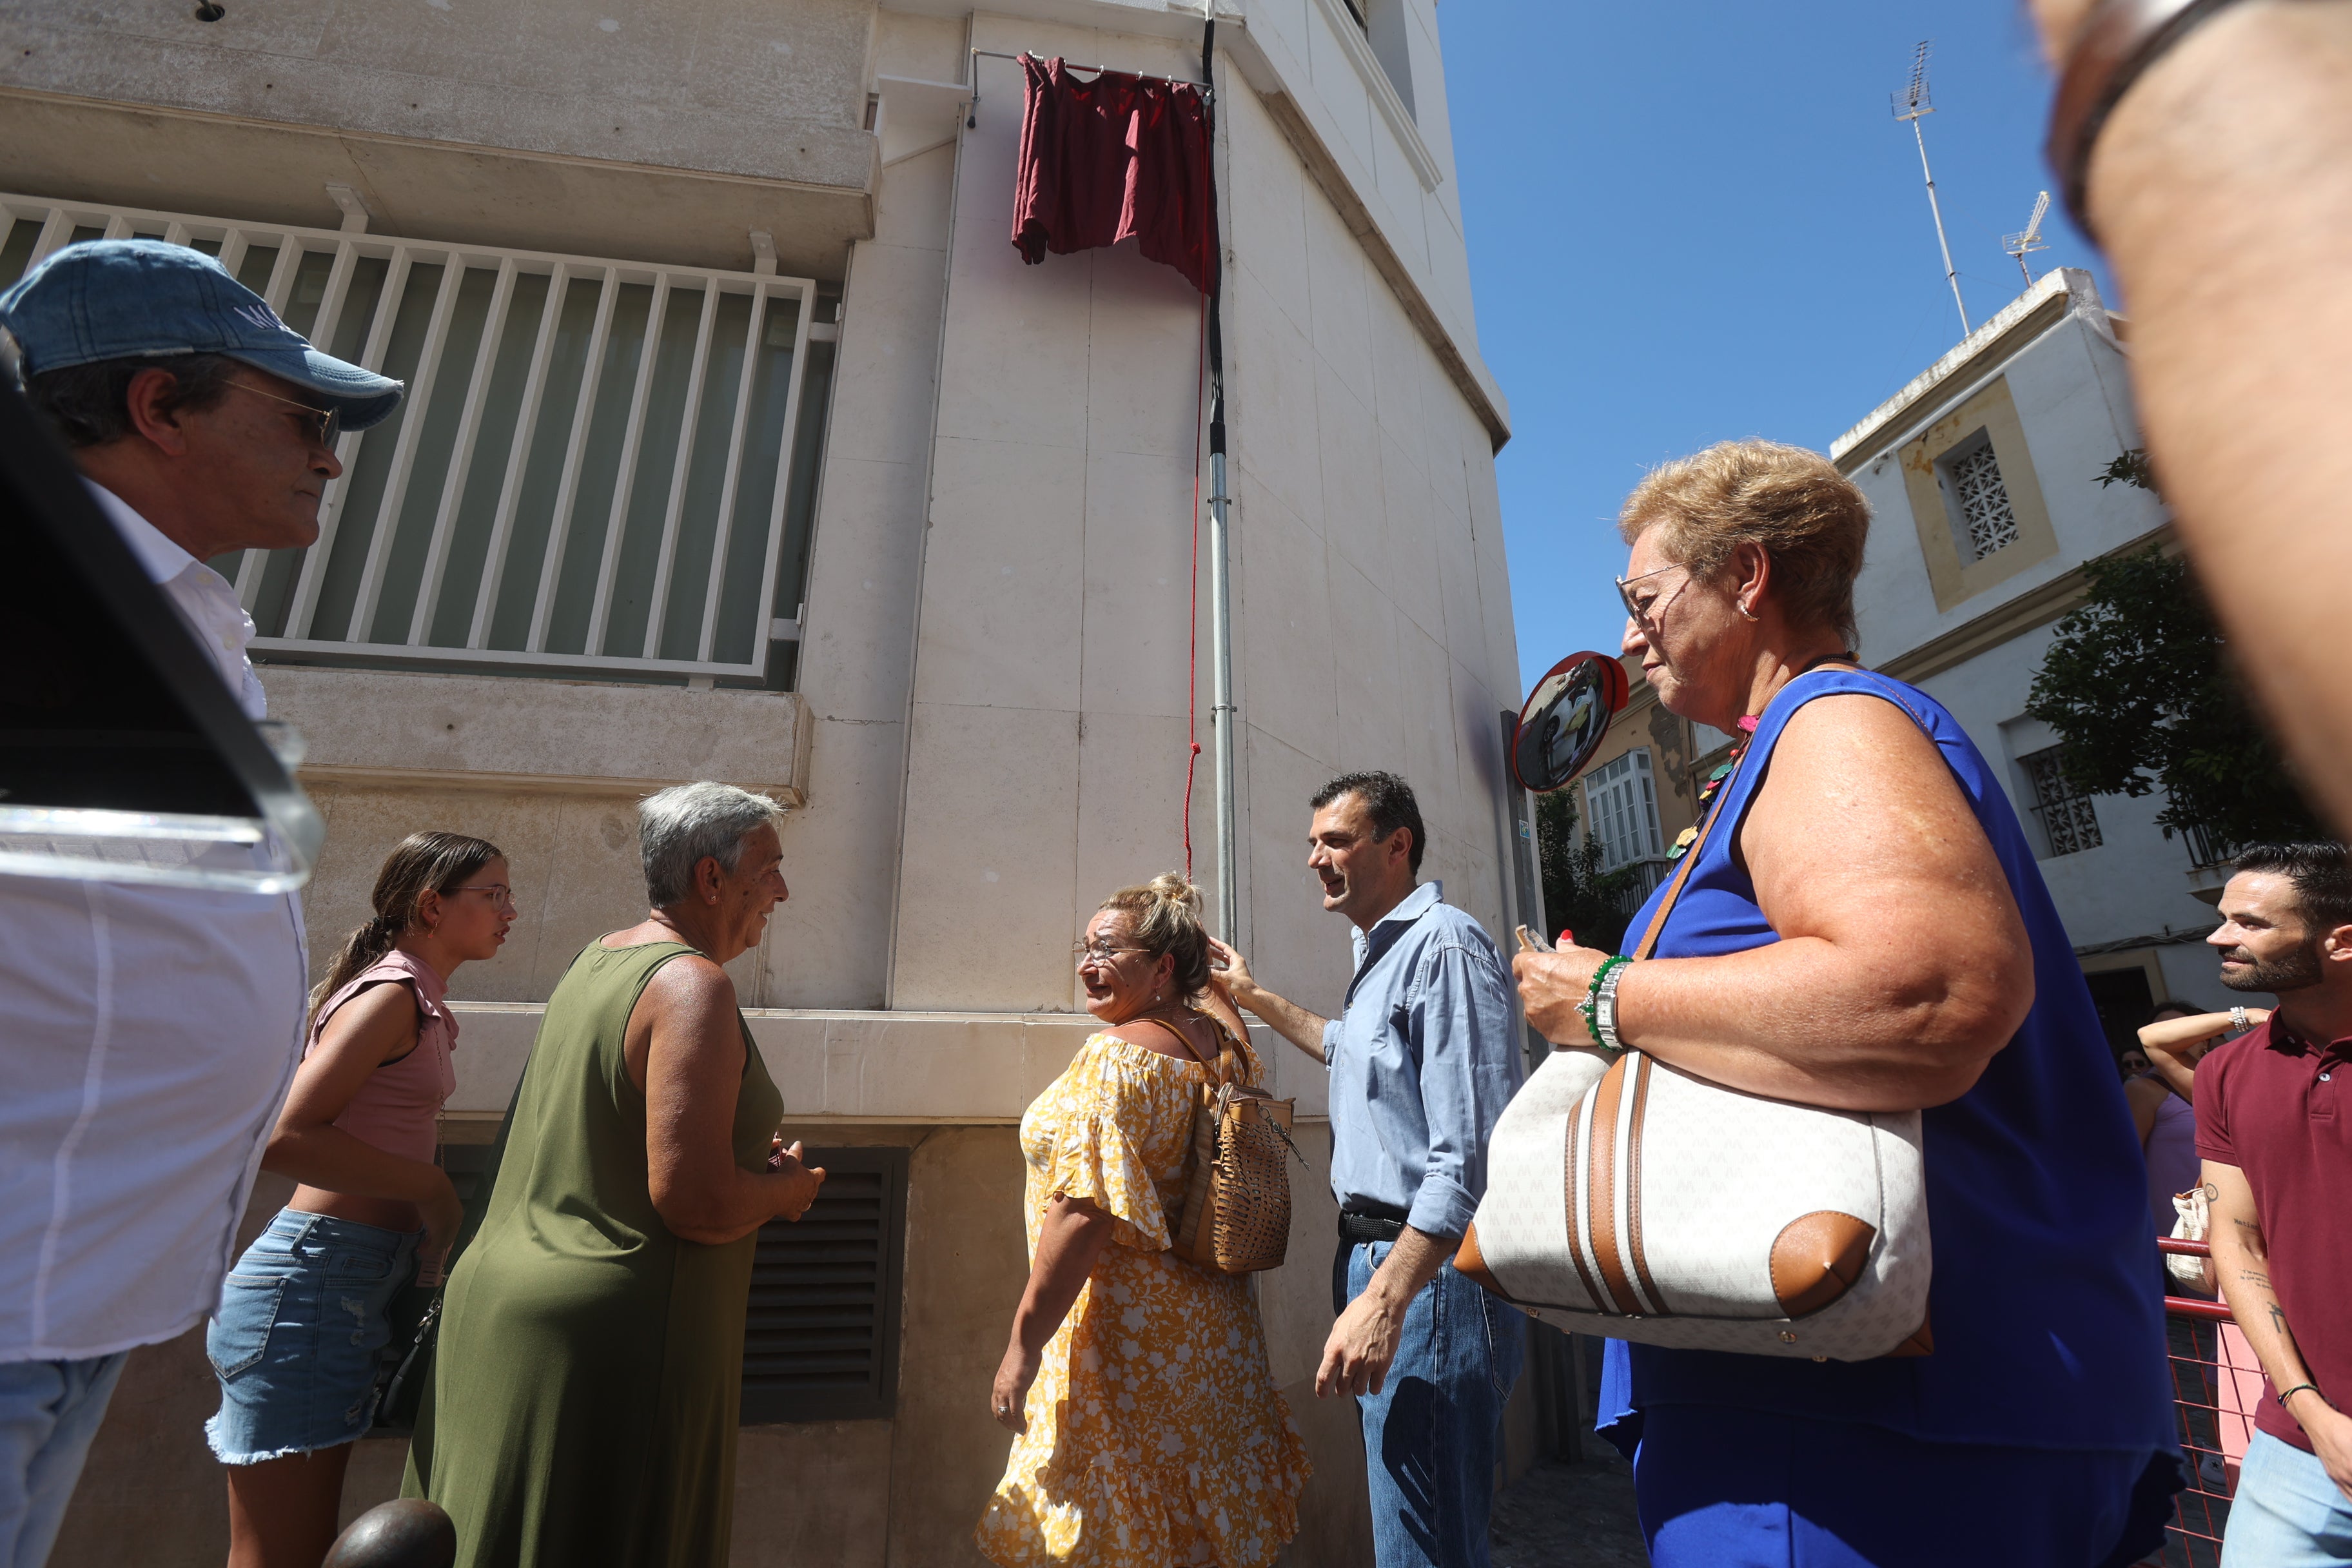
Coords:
pixel 1151 1434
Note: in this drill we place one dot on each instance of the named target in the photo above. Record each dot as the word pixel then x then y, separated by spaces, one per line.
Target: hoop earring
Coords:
pixel 1746 611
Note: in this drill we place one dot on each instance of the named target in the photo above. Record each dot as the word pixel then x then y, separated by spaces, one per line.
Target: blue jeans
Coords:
pixel 49 1411
pixel 300 1327
pixel 1432 1434
pixel 2285 1513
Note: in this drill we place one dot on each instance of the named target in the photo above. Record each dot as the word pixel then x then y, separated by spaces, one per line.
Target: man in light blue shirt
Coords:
pixel 1422 1061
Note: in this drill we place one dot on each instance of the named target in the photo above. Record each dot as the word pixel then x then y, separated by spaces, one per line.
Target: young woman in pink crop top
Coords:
pixel 301 1321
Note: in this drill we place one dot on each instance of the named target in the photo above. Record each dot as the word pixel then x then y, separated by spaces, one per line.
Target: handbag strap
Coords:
pixel 1215 1074
pixel 1690 857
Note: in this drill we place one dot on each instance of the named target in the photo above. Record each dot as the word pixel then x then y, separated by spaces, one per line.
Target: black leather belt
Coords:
pixel 1363 1225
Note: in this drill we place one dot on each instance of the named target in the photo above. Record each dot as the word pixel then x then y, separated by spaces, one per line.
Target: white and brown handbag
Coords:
pixel 1638 1202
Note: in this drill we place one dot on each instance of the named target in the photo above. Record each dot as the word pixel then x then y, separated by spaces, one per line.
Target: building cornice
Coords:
pixel 2024 318
pixel 2028 610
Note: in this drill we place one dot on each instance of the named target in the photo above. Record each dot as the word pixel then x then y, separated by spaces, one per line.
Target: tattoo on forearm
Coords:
pixel 2256 1277
pixel 2278 1323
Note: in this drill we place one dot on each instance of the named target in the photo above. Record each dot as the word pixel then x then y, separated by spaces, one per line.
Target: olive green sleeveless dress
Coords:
pixel 586 1383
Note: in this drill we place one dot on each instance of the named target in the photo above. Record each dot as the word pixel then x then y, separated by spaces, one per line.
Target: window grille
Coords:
pixel 1624 807
pixel 2068 821
pixel 601 465
pixel 1988 522
pixel 821 1337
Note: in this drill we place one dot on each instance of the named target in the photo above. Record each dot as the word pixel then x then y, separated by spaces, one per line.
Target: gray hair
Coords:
pixel 89 405
pixel 681 826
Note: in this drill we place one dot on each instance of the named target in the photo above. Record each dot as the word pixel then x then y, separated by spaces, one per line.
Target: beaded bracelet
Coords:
pixel 1590 1005
pixel 2299 1388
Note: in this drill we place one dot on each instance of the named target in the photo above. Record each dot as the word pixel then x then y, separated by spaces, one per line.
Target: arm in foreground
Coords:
pixel 693 1072
pixel 2221 188
pixel 1903 965
pixel 2242 1261
pixel 1069 1239
pixel 376 1026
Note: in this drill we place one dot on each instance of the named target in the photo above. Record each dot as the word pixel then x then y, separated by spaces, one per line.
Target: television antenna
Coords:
pixel 2020 245
pixel 1912 104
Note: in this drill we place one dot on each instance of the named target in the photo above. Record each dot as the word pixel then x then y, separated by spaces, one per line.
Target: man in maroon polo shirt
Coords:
pixel 2274 1129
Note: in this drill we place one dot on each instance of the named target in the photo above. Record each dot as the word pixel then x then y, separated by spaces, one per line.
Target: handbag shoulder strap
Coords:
pixel 1215 1075
pixel 1690 857
pixel 1682 873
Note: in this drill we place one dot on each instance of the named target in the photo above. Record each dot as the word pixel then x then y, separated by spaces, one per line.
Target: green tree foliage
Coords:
pixel 1579 896
pixel 2138 684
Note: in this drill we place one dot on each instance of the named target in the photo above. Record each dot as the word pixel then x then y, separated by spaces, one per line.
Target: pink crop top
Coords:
pixel 398 1107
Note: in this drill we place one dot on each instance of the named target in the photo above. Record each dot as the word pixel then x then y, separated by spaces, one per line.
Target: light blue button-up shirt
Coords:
pixel 1423 1063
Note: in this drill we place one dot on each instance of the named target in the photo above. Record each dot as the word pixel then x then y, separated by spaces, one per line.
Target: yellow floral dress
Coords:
pixel 1156 1433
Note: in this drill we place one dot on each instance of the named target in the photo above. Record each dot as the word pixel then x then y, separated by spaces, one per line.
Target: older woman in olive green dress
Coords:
pixel 584 1397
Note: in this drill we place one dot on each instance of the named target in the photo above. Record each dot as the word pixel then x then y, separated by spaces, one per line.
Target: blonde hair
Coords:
pixel 1808 518
pixel 1164 918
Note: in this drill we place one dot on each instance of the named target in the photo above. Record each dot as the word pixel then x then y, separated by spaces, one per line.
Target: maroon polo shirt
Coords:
pixel 2281 1110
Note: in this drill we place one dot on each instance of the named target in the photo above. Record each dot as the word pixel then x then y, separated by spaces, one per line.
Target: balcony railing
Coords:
pixel 601 465
pixel 2206 848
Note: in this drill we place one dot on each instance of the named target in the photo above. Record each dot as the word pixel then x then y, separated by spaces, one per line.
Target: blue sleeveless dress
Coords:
pixel 2041 1429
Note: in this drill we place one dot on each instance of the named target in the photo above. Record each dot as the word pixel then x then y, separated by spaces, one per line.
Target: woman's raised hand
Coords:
pixel 2171 1036
pixel 1552 985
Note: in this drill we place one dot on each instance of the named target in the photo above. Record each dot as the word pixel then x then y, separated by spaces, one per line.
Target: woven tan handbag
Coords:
pixel 1236 1217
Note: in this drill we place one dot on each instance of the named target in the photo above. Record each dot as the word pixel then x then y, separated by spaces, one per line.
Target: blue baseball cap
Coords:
pixel 143 298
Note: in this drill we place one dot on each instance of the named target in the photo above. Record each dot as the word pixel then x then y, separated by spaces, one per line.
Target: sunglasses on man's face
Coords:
pixel 319 425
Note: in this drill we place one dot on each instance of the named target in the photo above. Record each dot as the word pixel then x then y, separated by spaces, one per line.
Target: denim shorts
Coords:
pixel 296 1341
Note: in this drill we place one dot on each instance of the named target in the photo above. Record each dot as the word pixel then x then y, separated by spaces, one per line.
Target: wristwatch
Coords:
pixel 1604 1007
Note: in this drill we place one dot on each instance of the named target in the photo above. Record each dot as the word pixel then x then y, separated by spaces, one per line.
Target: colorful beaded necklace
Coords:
pixel 1714 785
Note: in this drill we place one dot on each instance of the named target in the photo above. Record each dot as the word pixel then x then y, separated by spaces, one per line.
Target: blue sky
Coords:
pixel 1696 221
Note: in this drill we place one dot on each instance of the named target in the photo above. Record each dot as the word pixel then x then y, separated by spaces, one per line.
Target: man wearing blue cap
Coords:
pixel 151 1032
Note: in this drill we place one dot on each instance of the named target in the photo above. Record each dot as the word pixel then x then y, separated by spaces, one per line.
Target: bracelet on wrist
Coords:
pixel 1592 1005
pixel 2112 48
pixel 1604 1007
pixel 2285 1395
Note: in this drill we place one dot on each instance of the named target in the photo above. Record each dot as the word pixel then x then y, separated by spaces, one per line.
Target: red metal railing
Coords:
pixel 2217 1385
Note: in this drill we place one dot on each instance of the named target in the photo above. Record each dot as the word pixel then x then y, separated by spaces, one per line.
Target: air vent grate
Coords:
pixel 821 1337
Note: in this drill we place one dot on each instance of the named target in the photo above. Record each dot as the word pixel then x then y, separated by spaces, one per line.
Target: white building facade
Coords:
pixel 742 445
pixel 1983 482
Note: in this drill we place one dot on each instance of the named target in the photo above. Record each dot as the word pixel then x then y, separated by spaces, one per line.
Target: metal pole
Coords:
pixel 1221 601
pixel 1221 678
pixel 1951 274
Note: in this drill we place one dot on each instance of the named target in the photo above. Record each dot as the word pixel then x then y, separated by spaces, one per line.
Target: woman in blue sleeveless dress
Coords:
pixel 1866 929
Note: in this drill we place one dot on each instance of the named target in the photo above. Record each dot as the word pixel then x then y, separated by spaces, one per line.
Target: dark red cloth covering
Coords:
pixel 1106 158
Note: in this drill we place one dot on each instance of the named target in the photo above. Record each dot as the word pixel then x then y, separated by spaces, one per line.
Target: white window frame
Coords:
pixel 58 221
pixel 1620 798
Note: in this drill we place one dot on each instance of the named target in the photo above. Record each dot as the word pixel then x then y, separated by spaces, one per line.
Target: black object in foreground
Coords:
pixel 407 1532
pixel 122 755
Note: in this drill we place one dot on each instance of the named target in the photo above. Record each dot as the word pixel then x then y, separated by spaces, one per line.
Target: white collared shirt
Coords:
pixel 149 1036
pixel 201 596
